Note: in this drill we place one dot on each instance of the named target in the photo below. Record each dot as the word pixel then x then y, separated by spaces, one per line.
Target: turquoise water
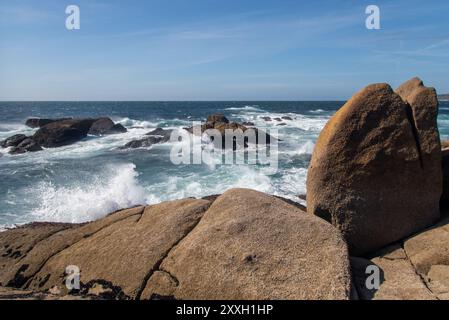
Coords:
pixel 86 180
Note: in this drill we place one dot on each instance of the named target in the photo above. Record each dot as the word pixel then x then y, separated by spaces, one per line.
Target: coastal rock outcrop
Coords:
pixel 415 268
pixel 13 140
pixel 61 133
pixel 105 126
pixel 54 133
pixel 250 245
pixel 375 171
pixel 158 135
pixel 444 203
pixel 40 122
pixel 26 145
pixel 229 132
pixel 246 245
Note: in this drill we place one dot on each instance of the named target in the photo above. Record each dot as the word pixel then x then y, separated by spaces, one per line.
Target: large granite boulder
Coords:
pixel 376 169
pixel 105 126
pixel 61 133
pixel 249 245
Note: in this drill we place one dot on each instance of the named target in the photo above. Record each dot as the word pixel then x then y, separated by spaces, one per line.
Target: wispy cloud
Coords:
pixel 14 14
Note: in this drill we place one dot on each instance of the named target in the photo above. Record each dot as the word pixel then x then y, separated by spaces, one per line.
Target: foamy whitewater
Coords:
pixel 91 178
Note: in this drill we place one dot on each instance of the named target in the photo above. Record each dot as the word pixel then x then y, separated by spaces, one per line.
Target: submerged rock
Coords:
pixel 375 172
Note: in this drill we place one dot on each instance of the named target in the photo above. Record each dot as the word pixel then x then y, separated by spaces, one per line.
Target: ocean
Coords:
pixel 86 180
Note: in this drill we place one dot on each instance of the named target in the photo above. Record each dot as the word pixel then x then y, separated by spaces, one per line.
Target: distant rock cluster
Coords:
pixel 53 133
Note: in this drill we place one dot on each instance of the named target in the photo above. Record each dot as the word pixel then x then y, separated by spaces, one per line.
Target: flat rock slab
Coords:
pixel 16 243
pixel 122 254
pixel 398 279
pixel 429 253
pixel 17 274
pixel 249 245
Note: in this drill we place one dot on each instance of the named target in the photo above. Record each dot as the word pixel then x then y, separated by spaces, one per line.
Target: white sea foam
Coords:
pixel 115 188
pixel 246 108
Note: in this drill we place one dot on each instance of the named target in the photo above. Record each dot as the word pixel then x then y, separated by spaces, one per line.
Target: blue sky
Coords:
pixel 217 50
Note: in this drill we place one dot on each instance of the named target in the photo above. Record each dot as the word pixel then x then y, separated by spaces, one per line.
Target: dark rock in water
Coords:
pixel 143 143
pixel 217 118
pixel 266 118
pixel 61 133
pixel 158 135
pixel 27 145
pixel 13 140
pixel 165 133
pixel 375 172
pixel 232 134
pixel 104 126
pixel 277 119
pixel 287 118
pixel 281 124
pixel 38 122
pixel 248 124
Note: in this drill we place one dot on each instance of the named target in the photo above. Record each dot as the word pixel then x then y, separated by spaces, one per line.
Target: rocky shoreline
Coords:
pixel 377 196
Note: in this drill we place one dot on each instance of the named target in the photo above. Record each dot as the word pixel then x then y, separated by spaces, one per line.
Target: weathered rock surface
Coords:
pixel 255 246
pixel 233 135
pixel 13 140
pixel 416 268
pixel 249 245
pixel 217 118
pixel 16 243
pixel 105 126
pixel 124 253
pixel 158 135
pixel 429 250
pixel 398 278
pixel 26 145
pixel 444 203
pixel 376 169
pixel 39 122
pixel 18 274
pixel 61 133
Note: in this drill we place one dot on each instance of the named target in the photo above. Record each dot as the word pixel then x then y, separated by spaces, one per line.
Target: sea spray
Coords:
pixel 115 188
